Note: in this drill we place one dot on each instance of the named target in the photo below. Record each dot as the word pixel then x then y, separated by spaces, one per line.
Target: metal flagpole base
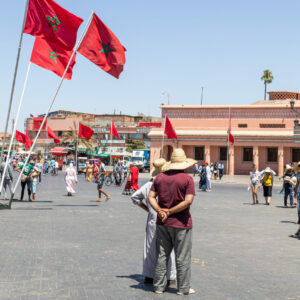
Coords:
pixel 4 206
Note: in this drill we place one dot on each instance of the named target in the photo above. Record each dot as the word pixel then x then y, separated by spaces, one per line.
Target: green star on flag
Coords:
pixel 106 49
pixel 53 22
pixel 53 55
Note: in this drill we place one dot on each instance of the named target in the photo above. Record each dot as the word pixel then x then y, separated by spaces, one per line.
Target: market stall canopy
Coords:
pixel 59 151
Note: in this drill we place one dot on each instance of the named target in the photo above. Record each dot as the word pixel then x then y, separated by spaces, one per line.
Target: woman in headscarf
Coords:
pixel 134 171
pixel 140 198
pixel 70 179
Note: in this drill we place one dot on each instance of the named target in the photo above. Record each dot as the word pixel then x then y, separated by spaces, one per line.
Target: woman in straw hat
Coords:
pixel 140 198
pixel 267 176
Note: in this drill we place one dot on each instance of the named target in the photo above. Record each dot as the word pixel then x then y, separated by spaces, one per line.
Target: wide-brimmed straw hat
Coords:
pixel 268 170
pixel 158 164
pixel 179 161
pixel 288 167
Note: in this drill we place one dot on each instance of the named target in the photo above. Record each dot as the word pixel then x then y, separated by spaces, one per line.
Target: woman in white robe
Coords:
pixel 70 179
pixel 140 197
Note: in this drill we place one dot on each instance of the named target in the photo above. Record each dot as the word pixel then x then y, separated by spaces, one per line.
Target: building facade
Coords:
pixel 130 128
pixel 266 133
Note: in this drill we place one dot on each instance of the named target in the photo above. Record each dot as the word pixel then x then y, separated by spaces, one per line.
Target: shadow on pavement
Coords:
pixel 33 208
pixel 288 222
pixel 66 205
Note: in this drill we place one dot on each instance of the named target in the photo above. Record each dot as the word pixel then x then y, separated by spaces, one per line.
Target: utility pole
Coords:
pixel 202 88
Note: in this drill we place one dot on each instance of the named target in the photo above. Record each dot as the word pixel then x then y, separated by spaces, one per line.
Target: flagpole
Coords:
pixel 50 106
pixel 110 158
pixel 228 145
pixel 14 81
pixel 15 126
pixel 76 151
pixel 163 138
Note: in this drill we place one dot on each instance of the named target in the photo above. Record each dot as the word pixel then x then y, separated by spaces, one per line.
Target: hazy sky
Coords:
pixel 175 46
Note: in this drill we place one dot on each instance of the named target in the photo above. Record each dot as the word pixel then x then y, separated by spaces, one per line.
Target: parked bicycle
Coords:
pixel 109 179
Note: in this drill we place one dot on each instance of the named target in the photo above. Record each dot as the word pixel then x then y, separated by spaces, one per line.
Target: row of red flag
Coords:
pixel 83 132
pixel 55 30
pixel 86 132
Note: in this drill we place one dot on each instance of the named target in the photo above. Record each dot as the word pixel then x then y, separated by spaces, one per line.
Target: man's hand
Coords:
pixel 163 215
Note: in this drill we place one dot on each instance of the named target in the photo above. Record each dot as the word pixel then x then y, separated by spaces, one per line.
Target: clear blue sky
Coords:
pixel 172 45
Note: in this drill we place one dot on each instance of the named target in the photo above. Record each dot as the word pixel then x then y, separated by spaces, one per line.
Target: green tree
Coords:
pixel 267 78
pixel 71 137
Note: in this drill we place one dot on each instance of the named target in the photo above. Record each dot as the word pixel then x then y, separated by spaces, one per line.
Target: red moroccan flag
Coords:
pixel 20 137
pixel 113 130
pixel 169 130
pixel 46 19
pixel 103 48
pixel 85 132
pixel 28 141
pixel 230 137
pixel 52 57
pixel 51 135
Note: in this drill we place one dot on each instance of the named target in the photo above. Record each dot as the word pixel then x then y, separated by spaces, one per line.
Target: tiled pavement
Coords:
pixel 73 248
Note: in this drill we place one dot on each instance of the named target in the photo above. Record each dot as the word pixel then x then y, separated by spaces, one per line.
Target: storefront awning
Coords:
pixel 59 151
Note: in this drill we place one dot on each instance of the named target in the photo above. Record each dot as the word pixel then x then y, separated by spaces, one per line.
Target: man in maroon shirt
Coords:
pixel 175 191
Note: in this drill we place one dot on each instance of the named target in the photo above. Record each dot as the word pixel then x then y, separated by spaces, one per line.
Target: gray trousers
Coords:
pixel 181 240
pixel 7 183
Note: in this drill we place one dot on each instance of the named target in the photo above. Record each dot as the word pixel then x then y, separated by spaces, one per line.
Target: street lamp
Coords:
pixel 168 94
pixel 292 104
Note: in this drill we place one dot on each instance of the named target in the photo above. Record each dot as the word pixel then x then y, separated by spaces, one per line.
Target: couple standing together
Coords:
pixel 168 241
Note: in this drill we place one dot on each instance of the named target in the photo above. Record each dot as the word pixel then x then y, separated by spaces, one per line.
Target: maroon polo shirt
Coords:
pixel 171 188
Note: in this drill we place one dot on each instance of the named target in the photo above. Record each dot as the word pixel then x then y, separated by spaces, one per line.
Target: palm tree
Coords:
pixel 71 137
pixel 267 78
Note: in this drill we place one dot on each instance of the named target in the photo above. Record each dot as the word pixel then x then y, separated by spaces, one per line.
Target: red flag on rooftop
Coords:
pixel 52 57
pixel 103 48
pixel 113 130
pixel 51 135
pixel 230 137
pixel 20 137
pixel 46 19
pixel 169 130
pixel 85 132
pixel 31 116
pixel 28 141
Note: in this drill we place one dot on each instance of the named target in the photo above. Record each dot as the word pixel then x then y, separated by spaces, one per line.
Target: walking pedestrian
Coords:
pixel 289 183
pixel 221 170
pixel 8 178
pixel 70 179
pixel 196 169
pixel 254 183
pixel 297 188
pixel 118 173
pixel 208 176
pixel 100 182
pixel 134 171
pixel 267 176
pixel 26 178
pixel 39 167
pixel 140 198
pixel 175 191
pixel 89 171
pixel 34 179
pixel 203 180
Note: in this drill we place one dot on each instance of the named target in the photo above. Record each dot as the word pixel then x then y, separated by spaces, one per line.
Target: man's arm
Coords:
pixel 188 200
pixel 152 200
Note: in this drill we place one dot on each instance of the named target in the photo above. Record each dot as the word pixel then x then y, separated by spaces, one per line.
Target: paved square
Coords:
pixel 61 247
